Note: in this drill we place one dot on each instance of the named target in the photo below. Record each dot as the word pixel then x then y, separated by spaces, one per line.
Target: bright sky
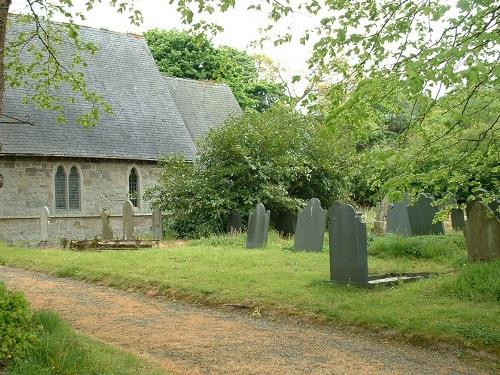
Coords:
pixel 241 26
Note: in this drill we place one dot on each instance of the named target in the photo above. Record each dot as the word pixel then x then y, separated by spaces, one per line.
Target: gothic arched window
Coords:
pixel 74 189
pixel 60 188
pixel 133 187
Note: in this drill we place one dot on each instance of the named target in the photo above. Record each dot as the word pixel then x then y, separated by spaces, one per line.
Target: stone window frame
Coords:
pixel 139 185
pixel 67 170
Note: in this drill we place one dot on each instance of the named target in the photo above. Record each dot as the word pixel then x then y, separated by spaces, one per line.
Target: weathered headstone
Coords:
pixel 348 245
pixel 478 194
pixel 398 221
pixel 258 227
pixel 457 218
pixel 128 221
pixel 234 222
pixel 107 231
pixel 310 228
pixel 380 218
pixel 482 233
pixel 421 215
pixel 44 224
pixel 157 224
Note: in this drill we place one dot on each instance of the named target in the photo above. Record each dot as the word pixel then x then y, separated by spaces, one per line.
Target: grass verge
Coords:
pixel 59 350
pixel 277 280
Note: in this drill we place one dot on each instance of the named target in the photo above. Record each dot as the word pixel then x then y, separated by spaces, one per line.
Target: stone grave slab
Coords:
pixel 128 220
pixel 398 221
pixel 310 228
pixel 348 245
pixel 44 223
pixel 234 222
pixel 482 233
pixel 157 224
pixel 457 218
pixel 421 214
pixel 258 227
pixel 107 231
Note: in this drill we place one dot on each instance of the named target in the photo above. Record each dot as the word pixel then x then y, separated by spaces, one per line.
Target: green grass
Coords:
pixel 278 280
pixel 59 350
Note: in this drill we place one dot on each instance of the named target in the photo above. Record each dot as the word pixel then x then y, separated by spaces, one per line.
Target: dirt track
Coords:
pixel 187 339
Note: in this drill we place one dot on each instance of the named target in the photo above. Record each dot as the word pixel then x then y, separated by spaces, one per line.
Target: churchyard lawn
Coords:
pixel 460 305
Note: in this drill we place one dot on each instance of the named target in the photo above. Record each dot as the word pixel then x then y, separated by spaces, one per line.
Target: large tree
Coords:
pixel 445 54
pixel 185 55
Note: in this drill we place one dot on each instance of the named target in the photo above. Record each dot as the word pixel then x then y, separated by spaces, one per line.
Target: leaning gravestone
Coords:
pixel 482 233
pixel 234 222
pixel 107 231
pixel 310 228
pixel 421 215
pixel 44 224
pixel 258 227
pixel 380 218
pixel 128 221
pixel 478 194
pixel 348 245
pixel 398 221
pixel 157 224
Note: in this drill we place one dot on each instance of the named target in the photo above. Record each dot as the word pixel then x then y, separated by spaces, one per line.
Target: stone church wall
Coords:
pixel 28 184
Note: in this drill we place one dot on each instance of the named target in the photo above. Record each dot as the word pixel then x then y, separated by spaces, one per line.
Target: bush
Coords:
pixel 423 247
pixel 17 333
pixel 280 158
pixel 477 282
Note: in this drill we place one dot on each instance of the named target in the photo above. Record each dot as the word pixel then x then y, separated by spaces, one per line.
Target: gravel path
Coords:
pixel 187 339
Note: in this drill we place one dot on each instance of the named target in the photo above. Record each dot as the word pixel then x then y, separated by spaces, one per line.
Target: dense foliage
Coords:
pixel 181 54
pixel 280 158
pixel 17 330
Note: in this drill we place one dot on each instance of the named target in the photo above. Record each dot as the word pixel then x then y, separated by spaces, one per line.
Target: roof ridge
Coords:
pixel 100 29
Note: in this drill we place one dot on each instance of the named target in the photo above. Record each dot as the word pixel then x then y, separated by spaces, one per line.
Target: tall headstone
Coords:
pixel 107 231
pixel 310 228
pixel 478 194
pixel 128 221
pixel 380 218
pixel 457 218
pixel 482 233
pixel 285 223
pixel 234 222
pixel 157 224
pixel 348 245
pixel 398 221
pixel 258 227
pixel 44 224
pixel 421 215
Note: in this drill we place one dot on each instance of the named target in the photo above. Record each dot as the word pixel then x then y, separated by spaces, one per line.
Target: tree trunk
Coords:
pixel 4 12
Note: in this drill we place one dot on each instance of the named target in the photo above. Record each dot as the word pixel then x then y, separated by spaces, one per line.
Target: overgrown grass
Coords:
pixel 218 270
pixel 59 350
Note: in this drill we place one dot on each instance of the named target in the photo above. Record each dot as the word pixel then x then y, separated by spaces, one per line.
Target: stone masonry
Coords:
pixel 28 184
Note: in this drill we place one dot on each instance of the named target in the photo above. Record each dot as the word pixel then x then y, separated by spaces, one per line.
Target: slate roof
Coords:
pixel 147 122
pixel 202 105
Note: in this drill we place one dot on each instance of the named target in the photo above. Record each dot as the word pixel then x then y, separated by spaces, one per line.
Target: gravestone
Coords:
pixel 258 227
pixel 234 222
pixel 44 224
pixel 285 223
pixel 478 196
pixel 107 231
pixel 310 228
pixel 157 224
pixel 457 218
pixel 421 215
pixel 380 218
pixel 398 221
pixel 482 233
pixel 128 221
pixel 348 245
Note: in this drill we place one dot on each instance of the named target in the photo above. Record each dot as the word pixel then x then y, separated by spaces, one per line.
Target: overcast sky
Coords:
pixel 241 26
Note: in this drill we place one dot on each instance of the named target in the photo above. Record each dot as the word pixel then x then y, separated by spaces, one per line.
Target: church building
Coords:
pixel 75 171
